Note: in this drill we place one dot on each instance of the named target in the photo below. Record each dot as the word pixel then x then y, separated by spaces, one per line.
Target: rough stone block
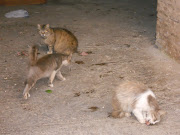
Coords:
pixel 168 27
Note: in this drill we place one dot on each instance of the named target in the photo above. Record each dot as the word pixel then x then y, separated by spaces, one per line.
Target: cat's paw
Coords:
pixel 114 114
pixel 142 121
pixel 49 52
pixel 121 115
pixel 128 114
pixel 26 95
pixel 60 77
pixel 63 79
pixel 50 85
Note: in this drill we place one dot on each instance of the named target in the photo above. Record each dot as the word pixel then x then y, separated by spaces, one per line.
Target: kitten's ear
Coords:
pixel 161 112
pixel 47 26
pixel 39 26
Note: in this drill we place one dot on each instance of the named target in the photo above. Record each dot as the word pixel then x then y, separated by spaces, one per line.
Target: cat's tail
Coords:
pixel 33 55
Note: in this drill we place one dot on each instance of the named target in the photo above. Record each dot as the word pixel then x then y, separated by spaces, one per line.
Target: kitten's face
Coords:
pixel 44 30
pixel 153 117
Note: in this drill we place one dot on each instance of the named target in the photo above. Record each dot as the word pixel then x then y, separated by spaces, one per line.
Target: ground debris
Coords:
pixel 102 64
pixel 22 53
pixel 93 108
pixel 77 94
pixel 79 62
pixel 127 45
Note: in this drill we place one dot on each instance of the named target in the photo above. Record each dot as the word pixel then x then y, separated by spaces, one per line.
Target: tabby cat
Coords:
pixel 46 66
pixel 58 40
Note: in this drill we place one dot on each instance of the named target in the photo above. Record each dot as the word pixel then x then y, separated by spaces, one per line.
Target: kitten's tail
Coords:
pixel 33 55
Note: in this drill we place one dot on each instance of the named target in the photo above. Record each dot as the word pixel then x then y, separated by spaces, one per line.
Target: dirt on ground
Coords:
pixel 120 39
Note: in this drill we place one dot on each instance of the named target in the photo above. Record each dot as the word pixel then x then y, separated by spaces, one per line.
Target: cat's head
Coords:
pixel 154 116
pixel 44 30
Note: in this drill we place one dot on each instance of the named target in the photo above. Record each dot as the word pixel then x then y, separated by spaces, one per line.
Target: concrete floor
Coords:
pixel 121 36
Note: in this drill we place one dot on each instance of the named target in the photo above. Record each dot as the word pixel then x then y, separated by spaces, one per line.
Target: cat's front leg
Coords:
pixel 50 49
pixel 59 76
pixel 139 115
pixel 127 114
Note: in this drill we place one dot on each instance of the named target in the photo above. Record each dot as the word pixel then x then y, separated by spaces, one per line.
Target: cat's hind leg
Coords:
pixel 26 91
pixel 29 84
pixel 117 110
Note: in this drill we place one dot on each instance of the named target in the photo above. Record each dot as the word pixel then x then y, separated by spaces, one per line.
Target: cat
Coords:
pixel 58 40
pixel 136 98
pixel 46 66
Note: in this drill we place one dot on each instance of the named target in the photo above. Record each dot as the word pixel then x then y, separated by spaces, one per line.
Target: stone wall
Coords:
pixel 168 27
pixel 21 2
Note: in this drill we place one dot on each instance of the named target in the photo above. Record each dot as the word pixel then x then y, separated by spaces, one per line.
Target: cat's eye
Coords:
pixel 46 31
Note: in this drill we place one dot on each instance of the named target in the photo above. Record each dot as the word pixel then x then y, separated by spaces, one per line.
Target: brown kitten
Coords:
pixel 46 66
pixel 57 39
pixel 135 97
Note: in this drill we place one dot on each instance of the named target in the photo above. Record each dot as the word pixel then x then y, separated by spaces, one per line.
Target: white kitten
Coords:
pixel 135 97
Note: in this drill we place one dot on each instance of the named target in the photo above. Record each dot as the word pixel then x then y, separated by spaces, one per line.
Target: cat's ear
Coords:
pixel 47 26
pixel 39 26
pixel 161 112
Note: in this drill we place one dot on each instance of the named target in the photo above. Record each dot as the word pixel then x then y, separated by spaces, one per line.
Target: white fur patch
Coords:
pixel 142 106
pixel 65 62
pixel 142 101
